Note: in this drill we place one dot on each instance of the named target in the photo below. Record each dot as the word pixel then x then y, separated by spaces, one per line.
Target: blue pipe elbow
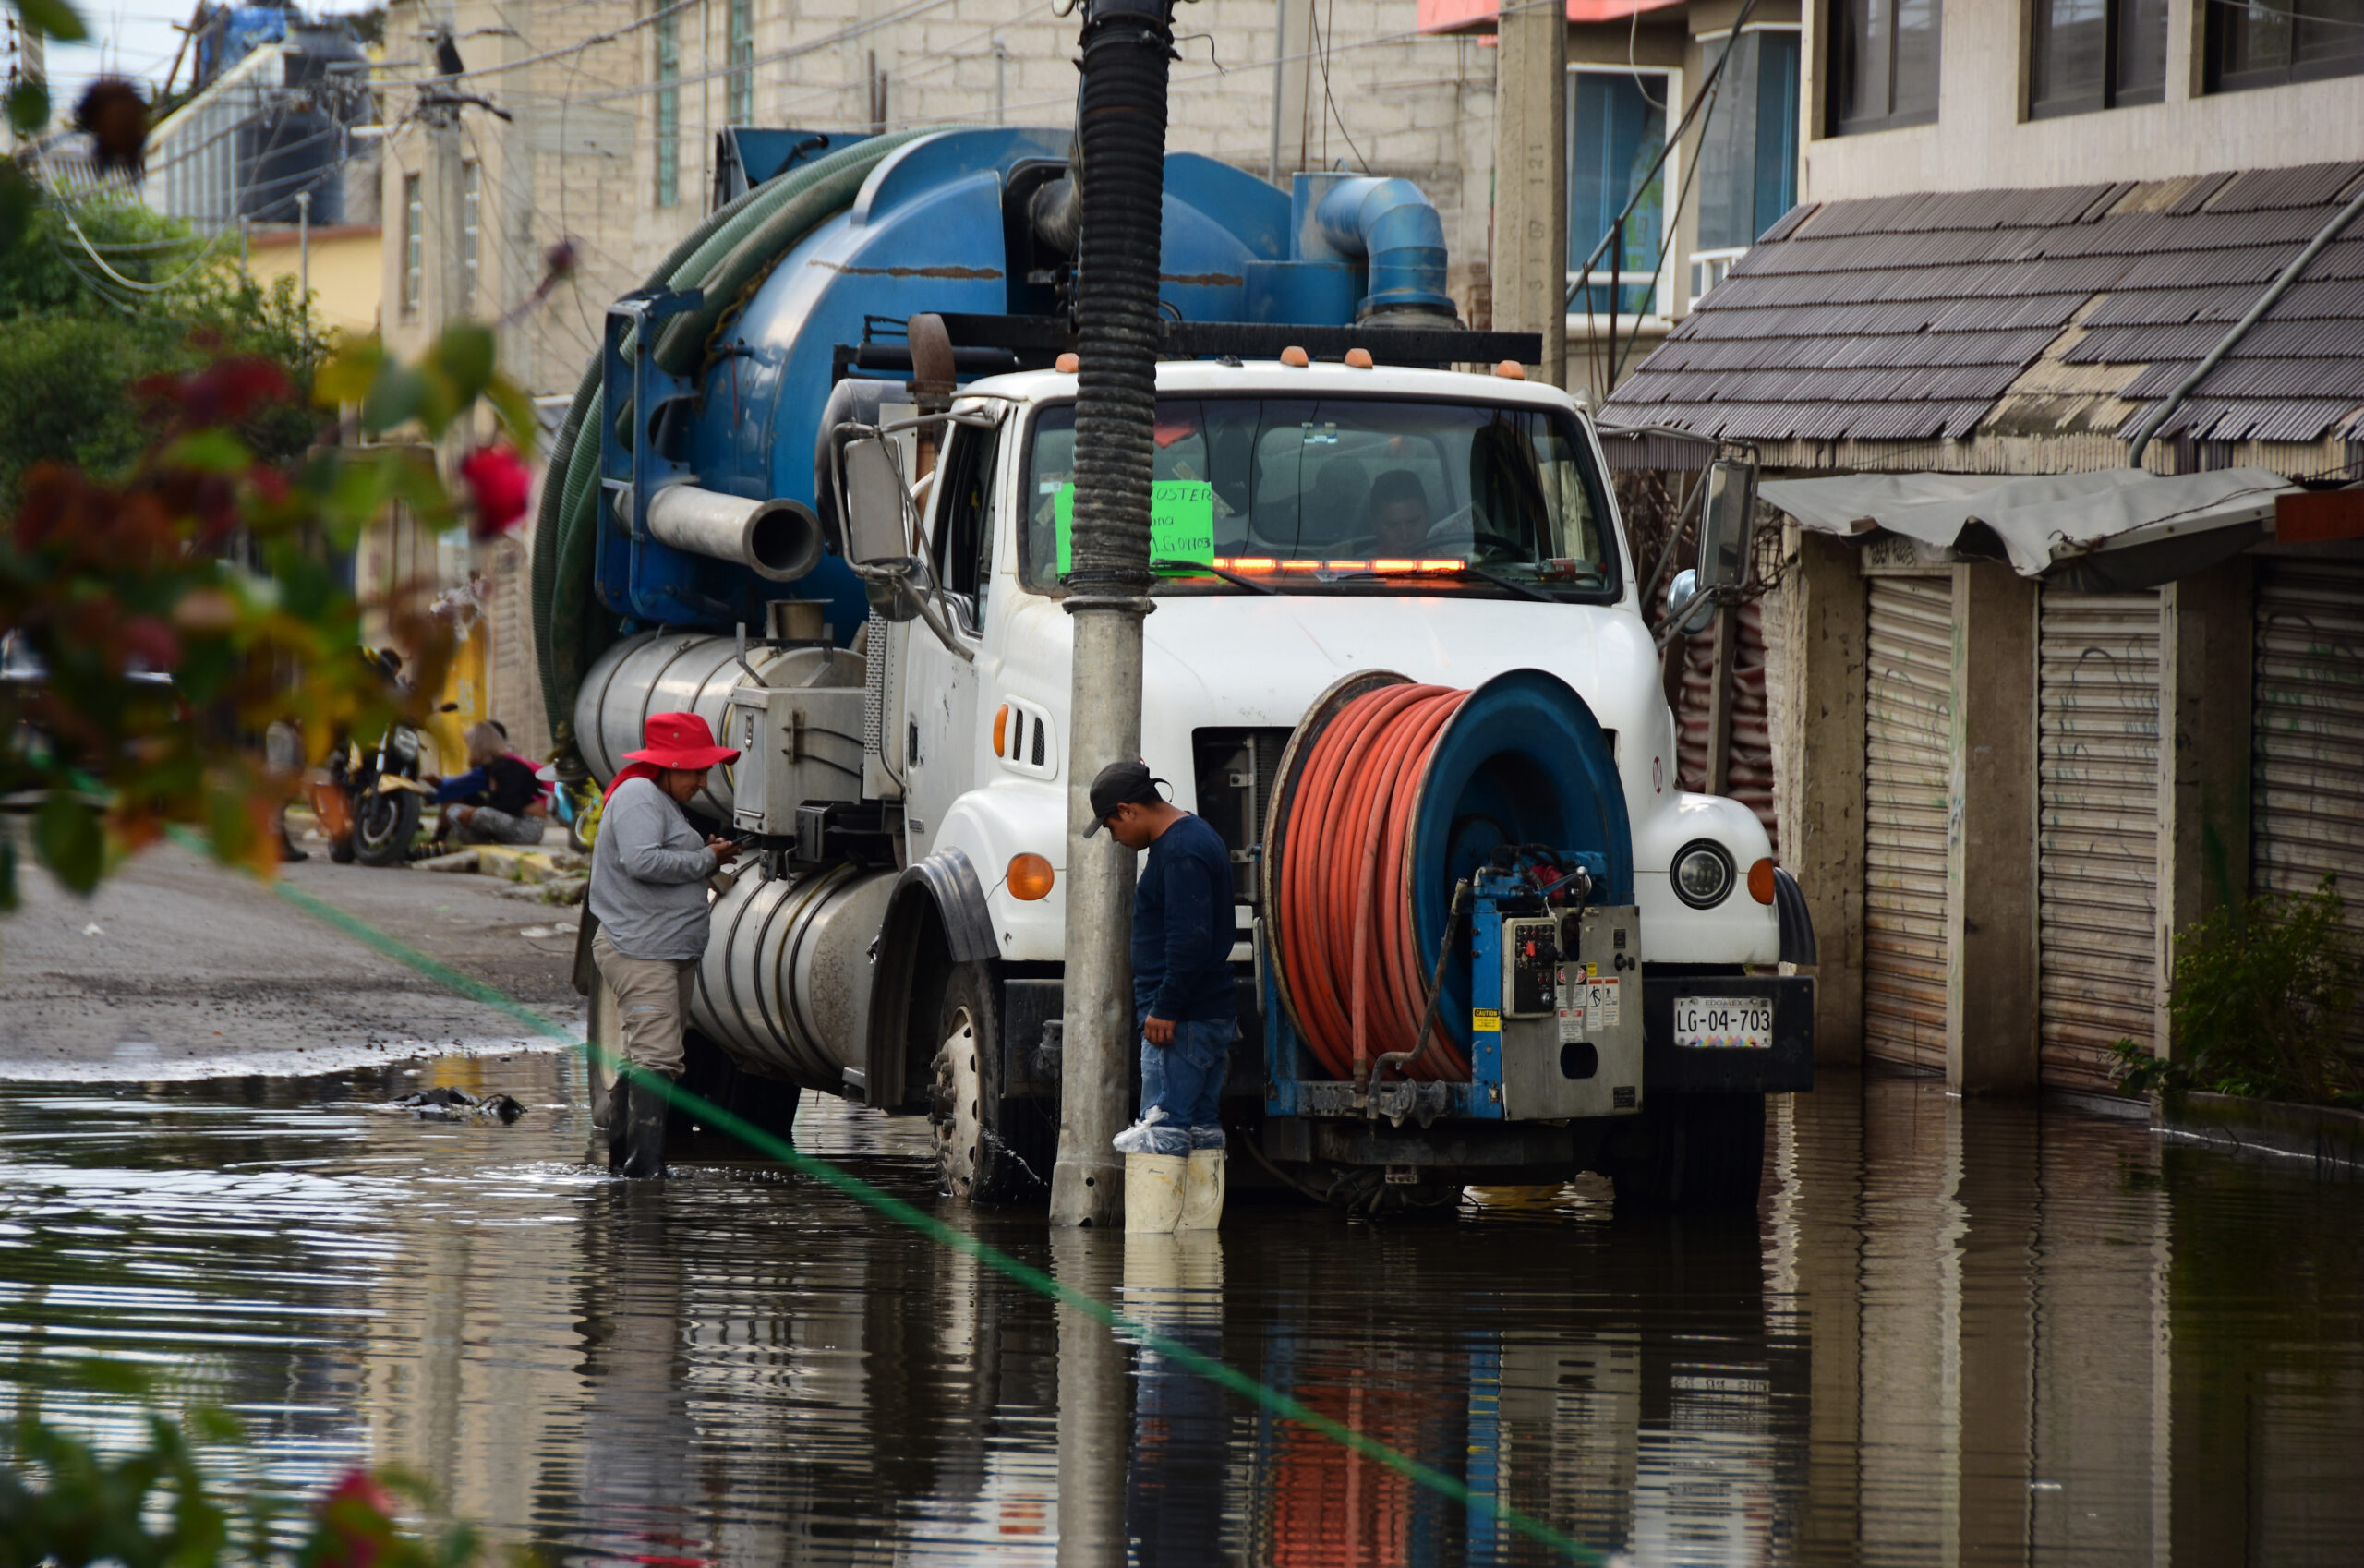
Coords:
pixel 1398 234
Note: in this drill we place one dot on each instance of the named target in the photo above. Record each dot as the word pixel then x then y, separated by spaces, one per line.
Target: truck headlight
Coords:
pixel 1702 875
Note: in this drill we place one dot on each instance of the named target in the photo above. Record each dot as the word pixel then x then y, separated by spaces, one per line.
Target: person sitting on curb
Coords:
pixel 498 801
pixel 1185 1003
pixel 648 876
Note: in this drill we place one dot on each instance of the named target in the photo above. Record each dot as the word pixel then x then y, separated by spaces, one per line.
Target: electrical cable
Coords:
pixel 1347 946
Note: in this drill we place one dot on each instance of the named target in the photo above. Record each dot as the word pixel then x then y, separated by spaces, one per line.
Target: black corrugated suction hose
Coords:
pixel 1121 130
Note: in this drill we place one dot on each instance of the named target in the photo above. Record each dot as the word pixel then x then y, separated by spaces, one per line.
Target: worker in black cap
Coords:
pixel 1184 1001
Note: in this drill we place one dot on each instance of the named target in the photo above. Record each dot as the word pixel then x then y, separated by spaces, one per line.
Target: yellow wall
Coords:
pixel 347 278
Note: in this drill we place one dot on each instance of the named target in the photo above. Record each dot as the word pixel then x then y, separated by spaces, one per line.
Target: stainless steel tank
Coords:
pixel 687 672
pixel 785 983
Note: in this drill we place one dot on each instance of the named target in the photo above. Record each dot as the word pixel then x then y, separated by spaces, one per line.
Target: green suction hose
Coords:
pixel 726 255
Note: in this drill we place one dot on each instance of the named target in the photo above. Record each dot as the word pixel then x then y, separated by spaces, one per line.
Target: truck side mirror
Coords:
pixel 1726 521
pixel 875 504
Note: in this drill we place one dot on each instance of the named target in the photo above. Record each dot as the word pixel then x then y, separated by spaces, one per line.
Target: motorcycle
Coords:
pixel 371 801
pixel 577 804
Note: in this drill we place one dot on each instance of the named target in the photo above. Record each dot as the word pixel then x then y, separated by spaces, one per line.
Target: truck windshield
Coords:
pixel 1340 494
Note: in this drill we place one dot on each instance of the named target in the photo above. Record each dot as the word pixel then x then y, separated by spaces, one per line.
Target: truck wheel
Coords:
pixel 989 1150
pixel 1696 1152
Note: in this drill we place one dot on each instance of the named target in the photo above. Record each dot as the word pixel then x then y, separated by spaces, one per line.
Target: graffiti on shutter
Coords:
pixel 1908 726
pixel 2097 843
pixel 2307 751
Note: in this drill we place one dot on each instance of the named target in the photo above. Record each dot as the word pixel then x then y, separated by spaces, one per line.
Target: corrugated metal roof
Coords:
pixel 1908 318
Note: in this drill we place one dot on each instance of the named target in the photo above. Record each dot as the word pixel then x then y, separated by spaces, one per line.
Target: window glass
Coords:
pixel 2268 42
pixel 1616 127
pixel 1748 157
pixel 2087 55
pixel 668 106
pixel 741 106
pixel 964 535
pixel 1362 494
pixel 1883 64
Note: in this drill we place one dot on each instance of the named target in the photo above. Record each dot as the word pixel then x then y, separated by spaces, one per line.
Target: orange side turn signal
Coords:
pixel 1029 877
pixel 1760 882
pixel 1001 728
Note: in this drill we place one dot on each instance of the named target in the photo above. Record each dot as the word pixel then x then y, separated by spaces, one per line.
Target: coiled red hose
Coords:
pixel 1346 944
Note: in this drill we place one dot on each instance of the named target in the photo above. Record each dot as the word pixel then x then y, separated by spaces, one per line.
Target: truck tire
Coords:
pixel 1700 1153
pixel 990 1149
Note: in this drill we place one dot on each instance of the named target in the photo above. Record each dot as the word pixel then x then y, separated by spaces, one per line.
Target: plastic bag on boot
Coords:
pixel 1151 1136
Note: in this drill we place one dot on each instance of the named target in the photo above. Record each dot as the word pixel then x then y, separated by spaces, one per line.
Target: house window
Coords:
pixel 668 106
pixel 1616 128
pixel 1748 155
pixel 742 62
pixel 2086 55
pixel 2270 42
pixel 414 245
pixel 1883 64
pixel 471 217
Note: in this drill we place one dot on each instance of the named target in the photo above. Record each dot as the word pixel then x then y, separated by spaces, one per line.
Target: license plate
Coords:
pixel 1724 1023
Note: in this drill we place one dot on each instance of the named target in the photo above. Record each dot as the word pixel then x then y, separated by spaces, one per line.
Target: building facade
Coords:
pixel 2053 240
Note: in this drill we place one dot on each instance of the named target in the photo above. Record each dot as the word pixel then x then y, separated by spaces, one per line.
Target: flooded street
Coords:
pixel 1955 1334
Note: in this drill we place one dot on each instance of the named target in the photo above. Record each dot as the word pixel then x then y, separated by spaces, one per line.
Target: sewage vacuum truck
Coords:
pixel 819 489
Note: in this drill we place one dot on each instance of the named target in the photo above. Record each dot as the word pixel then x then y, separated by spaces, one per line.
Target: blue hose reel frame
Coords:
pixel 1524 761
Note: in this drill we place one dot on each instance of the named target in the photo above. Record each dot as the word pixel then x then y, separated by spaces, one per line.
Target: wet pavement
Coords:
pixel 1955 1334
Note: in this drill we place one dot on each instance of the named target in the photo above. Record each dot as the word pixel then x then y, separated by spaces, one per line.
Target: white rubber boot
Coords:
pixel 1153 1184
pixel 1202 1191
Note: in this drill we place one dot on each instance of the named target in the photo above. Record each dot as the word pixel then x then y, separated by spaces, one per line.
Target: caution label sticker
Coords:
pixel 1486 1019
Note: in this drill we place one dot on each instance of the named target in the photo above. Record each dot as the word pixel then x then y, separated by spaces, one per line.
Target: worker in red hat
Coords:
pixel 649 868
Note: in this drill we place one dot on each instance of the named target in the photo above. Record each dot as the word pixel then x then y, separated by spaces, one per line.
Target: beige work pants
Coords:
pixel 652 1003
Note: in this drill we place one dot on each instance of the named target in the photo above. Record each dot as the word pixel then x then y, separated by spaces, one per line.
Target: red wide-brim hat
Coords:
pixel 682 741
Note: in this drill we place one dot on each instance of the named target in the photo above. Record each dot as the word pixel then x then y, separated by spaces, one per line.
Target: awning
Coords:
pixel 2119 528
pixel 1481 15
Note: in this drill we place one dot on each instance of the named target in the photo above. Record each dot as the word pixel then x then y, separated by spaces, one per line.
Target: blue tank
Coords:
pixel 945 224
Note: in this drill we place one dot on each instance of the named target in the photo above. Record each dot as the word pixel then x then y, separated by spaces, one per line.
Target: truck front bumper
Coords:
pixel 1786 1068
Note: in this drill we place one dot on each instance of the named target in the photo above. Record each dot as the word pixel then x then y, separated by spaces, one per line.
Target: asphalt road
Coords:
pixel 178 969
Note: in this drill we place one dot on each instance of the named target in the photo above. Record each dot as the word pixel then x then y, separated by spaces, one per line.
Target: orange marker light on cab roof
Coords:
pixel 1029 877
pixel 1760 882
pixel 1384 566
pixel 1066 364
pixel 1001 728
pixel 1294 357
pixel 1358 359
pixel 1442 565
pixel 1511 370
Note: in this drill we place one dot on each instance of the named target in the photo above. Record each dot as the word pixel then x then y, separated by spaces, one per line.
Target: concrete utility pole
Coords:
pixel 1531 180
pixel 1120 131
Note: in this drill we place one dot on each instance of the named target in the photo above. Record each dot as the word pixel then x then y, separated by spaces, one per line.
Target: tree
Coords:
pixel 186 532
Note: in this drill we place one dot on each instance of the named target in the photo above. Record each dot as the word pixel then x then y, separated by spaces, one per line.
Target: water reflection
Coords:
pixel 1959 1334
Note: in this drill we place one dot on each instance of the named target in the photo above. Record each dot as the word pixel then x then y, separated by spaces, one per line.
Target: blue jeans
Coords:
pixel 1185 1080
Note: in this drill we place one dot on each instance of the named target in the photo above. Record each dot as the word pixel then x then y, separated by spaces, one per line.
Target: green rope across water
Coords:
pixel 1219 1372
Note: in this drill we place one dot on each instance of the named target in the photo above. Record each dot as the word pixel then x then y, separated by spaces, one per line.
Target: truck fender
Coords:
pixel 937 898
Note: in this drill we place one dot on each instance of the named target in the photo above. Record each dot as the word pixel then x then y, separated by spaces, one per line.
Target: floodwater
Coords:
pixel 1955 1334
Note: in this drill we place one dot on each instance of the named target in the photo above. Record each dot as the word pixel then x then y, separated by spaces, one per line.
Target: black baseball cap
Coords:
pixel 1121 783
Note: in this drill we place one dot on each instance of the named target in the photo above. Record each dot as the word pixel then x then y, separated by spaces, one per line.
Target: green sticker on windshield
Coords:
pixel 1181 522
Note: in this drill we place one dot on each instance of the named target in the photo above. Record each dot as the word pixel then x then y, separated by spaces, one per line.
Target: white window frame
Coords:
pixel 470 235
pixel 1662 301
pixel 413 246
pixel 1708 268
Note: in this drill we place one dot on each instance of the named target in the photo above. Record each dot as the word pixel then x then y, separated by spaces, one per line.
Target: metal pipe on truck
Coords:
pixel 779 540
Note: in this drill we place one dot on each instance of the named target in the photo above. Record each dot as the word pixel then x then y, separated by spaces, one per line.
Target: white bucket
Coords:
pixel 1202 1191
pixel 1153 1184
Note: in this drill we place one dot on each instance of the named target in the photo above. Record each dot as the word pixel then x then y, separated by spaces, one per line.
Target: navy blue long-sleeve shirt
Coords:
pixel 1183 927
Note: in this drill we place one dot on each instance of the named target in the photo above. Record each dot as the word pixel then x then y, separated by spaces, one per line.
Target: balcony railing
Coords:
pixel 1708 268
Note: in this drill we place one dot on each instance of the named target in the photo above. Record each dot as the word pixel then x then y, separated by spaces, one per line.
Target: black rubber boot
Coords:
pixel 288 853
pixel 619 1114
pixel 644 1131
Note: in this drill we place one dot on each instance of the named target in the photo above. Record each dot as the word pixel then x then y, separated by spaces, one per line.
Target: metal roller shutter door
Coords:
pixel 2307 751
pixel 2097 872
pixel 1908 730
